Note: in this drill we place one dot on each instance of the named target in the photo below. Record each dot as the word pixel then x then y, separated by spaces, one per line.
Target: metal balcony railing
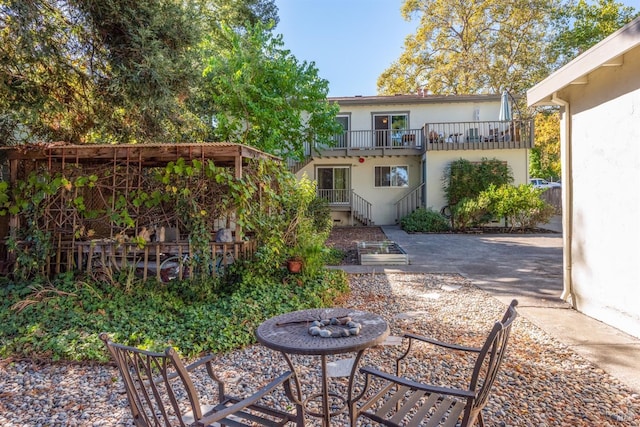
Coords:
pixel 335 197
pixel 479 135
pixel 377 139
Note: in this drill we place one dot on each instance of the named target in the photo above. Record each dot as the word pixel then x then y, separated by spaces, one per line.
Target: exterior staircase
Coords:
pixel 411 201
pixel 361 209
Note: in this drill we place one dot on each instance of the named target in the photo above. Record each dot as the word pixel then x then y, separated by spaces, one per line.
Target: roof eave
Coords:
pixel 609 52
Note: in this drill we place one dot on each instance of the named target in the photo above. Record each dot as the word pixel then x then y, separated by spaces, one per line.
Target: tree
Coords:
pixel 581 25
pixel 545 156
pixel 260 95
pixel 108 70
pixel 480 46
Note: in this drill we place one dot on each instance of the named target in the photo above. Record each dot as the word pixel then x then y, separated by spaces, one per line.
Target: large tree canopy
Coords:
pixel 471 46
pixel 85 71
pixel 260 95
pixel 581 25
pixel 486 46
pixel 108 70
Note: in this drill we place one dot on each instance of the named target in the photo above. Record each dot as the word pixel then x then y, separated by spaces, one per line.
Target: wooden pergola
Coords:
pixel 122 170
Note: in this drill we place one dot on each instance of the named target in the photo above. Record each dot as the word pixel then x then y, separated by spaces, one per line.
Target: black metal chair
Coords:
pixel 400 401
pixel 161 392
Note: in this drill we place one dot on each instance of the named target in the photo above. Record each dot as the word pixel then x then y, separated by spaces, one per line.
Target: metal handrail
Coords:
pixel 411 201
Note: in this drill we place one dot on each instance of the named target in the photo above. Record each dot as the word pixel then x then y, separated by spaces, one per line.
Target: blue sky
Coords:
pixel 351 41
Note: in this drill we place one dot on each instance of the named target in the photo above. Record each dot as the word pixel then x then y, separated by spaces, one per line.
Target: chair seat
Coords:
pixel 395 400
pixel 159 387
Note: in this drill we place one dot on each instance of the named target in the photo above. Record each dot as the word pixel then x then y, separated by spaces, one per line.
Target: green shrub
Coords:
pixel 61 320
pixel 333 256
pixel 521 206
pixel 471 213
pixel 424 220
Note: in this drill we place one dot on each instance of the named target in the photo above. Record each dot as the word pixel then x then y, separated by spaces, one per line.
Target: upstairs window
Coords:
pixel 392 176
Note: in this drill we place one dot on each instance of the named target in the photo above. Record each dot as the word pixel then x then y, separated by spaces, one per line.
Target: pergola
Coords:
pixel 121 171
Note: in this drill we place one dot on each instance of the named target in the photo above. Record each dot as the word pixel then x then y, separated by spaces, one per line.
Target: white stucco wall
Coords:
pixel 605 178
pixel 362 115
pixel 362 182
pixel 437 161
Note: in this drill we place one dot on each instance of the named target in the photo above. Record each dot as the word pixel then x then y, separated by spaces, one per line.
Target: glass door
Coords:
pixel 389 129
pixel 333 184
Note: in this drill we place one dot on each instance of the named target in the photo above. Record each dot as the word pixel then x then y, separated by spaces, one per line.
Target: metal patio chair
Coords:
pixel 161 393
pixel 400 401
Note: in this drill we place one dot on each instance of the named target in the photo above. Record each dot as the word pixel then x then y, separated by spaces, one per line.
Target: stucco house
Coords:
pixel 599 98
pixel 393 152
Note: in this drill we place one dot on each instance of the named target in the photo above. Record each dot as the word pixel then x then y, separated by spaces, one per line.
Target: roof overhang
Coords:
pixel 608 53
pixel 412 99
pixel 153 154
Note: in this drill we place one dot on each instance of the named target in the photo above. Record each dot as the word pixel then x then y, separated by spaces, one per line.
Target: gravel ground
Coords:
pixel 542 383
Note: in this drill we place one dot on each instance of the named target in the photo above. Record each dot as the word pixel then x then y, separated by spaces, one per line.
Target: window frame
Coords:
pixel 392 176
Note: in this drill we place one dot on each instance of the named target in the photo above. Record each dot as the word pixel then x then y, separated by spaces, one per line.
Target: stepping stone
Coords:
pixel 409 315
pixel 340 368
pixel 393 340
pixel 450 288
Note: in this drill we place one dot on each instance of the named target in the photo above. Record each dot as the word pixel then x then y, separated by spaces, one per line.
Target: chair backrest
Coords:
pixel 488 362
pixel 158 386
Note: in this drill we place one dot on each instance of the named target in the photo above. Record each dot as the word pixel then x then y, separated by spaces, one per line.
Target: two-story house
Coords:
pixel 393 153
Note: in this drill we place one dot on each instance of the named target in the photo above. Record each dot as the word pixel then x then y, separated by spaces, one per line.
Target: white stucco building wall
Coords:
pixel 599 98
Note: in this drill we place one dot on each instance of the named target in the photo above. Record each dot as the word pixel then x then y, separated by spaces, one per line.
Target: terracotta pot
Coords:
pixel 294 265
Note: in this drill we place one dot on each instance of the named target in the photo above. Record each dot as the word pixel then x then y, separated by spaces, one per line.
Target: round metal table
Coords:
pixel 289 334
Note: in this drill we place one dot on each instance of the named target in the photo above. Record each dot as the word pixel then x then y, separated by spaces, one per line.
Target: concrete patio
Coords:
pixel 527 267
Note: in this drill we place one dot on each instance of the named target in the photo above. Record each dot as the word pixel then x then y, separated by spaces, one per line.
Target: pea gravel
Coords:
pixel 541 383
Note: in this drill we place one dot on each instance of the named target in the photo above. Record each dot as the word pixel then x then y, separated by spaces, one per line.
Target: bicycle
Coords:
pixel 173 268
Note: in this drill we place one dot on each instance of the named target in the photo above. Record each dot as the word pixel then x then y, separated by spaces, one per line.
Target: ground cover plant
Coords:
pixel 61 319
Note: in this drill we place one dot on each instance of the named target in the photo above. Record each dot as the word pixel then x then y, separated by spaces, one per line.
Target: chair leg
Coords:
pixel 480 419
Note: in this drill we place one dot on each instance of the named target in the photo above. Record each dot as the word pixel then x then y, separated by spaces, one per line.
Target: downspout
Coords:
pixel 567 201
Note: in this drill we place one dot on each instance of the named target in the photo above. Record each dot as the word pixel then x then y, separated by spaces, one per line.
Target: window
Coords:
pixel 333 184
pixel 392 176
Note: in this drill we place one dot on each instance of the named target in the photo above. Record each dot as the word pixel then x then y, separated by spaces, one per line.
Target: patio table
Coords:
pixel 289 334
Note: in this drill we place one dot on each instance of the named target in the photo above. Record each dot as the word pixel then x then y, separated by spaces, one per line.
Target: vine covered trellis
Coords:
pixel 66 200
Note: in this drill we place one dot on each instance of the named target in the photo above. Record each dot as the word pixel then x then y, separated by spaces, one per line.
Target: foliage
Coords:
pixel 189 195
pixel 471 47
pixel 333 256
pixel 582 24
pixel 110 70
pixel 260 95
pixel 521 206
pixel 62 320
pixel 470 212
pixel 465 179
pixel 424 221
pixel 545 155
pixel 89 71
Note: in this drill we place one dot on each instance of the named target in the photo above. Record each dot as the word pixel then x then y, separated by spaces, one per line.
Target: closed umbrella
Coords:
pixel 505 115
pixel 505 108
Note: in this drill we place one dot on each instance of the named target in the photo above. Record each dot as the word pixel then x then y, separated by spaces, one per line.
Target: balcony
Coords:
pixel 376 142
pixel 487 135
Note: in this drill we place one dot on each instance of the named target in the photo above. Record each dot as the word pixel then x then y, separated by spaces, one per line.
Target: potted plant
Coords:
pixel 294 264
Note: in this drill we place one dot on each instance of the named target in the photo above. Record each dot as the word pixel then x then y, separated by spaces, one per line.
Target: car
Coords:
pixel 543 183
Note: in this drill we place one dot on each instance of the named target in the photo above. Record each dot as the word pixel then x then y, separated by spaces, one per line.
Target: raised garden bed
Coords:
pixel 381 253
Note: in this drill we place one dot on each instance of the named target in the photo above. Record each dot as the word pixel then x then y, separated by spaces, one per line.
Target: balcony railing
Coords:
pixel 475 135
pixel 378 139
pixel 335 197
pixel 479 135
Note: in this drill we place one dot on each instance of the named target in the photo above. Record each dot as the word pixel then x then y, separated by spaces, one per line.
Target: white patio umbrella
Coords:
pixel 505 108
pixel 505 114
